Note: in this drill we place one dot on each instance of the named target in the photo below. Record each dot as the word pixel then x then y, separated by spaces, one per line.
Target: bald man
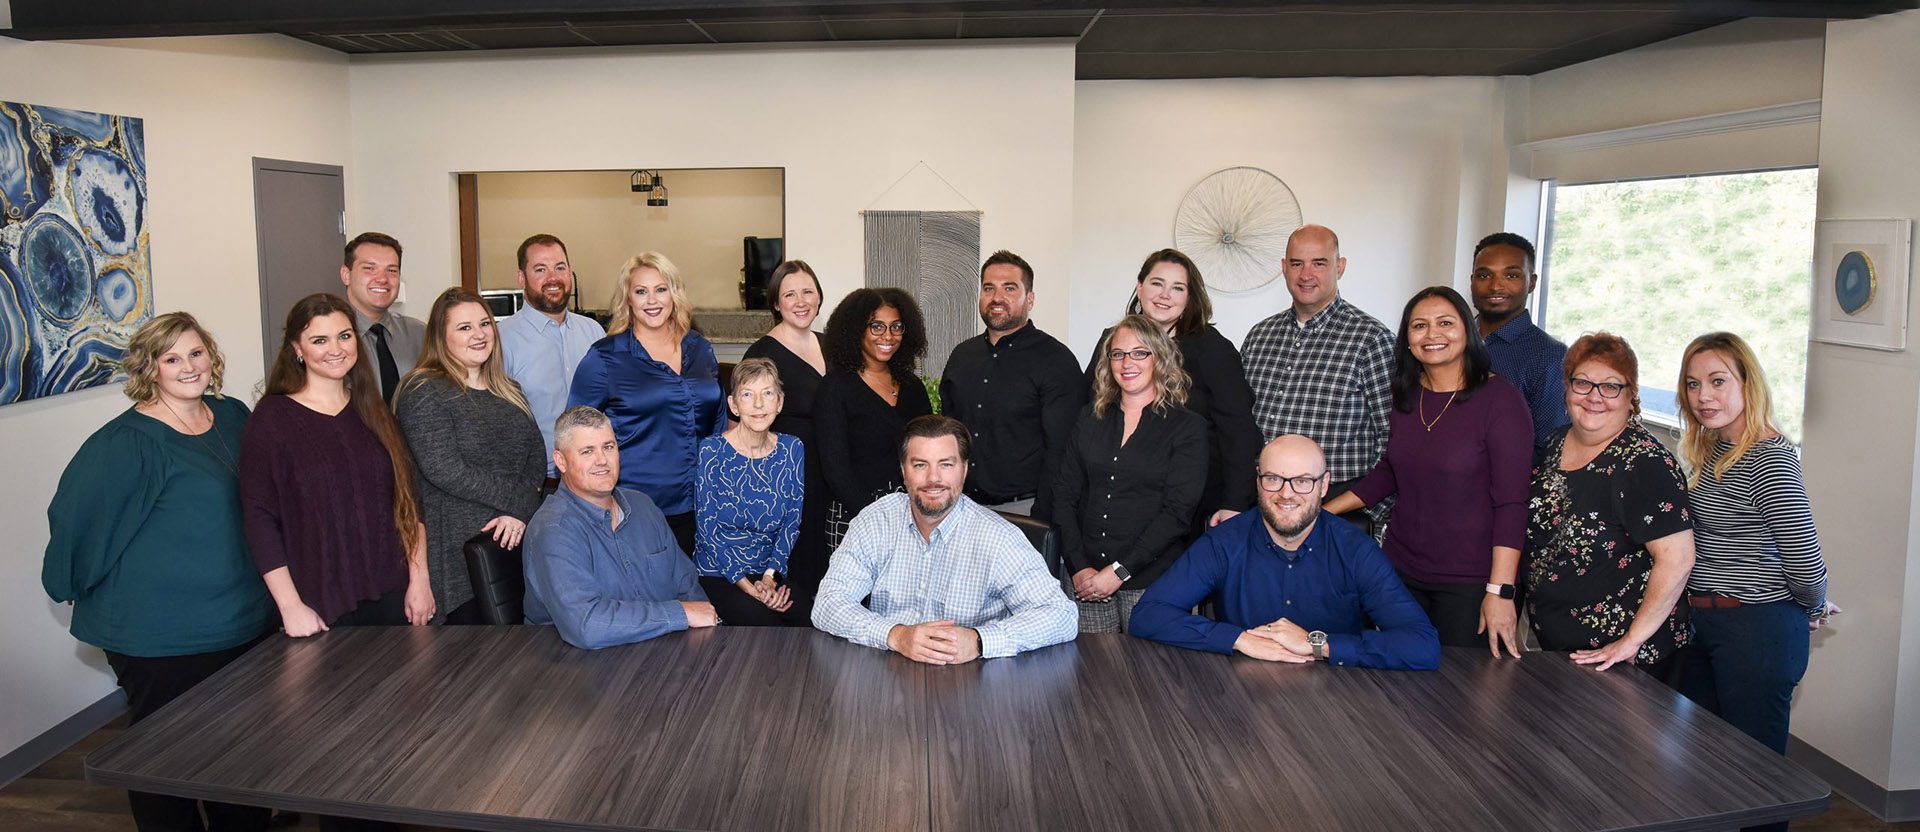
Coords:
pixel 1293 583
pixel 1322 368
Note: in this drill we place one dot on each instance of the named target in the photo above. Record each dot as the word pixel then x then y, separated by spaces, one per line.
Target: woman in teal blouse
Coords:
pixel 146 541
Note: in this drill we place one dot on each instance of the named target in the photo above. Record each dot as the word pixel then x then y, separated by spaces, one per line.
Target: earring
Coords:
pixel 299 359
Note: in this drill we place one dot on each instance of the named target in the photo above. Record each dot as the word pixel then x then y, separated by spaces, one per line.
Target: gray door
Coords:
pixel 299 220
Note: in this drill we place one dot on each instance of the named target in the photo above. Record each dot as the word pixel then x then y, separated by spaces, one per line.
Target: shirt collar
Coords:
pixel 600 516
pixel 1318 320
pixel 947 526
pixel 631 343
pixel 1514 330
pixel 1009 340
pixel 1315 541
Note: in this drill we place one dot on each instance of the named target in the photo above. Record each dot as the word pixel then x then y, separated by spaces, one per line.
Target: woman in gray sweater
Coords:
pixel 479 455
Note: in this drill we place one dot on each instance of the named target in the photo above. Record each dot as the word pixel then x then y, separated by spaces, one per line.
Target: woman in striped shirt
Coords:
pixel 1759 582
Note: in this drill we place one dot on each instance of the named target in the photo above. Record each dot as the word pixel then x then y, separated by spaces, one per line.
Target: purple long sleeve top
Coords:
pixel 1462 485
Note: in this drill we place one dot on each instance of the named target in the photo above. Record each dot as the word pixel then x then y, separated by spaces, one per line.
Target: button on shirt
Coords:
pixel 1019 398
pixel 1335 582
pixel 658 415
pixel 1327 379
pixel 541 355
pixel 1530 359
pixel 977 570
pixel 602 584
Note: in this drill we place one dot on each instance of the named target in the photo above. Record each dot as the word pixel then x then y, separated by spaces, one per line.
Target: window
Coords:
pixel 1661 261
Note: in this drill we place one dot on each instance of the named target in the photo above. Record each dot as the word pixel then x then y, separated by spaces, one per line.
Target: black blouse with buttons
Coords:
pixel 1132 502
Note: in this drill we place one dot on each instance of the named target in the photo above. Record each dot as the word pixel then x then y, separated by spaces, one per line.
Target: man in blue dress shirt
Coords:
pixel 601 564
pixel 1292 583
pixel 1503 278
pixel 543 343
pixel 949 581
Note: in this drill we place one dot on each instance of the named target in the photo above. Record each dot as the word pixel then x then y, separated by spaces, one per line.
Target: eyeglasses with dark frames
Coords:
pixel 1137 354
pixel 1301 485
pixel 1608 389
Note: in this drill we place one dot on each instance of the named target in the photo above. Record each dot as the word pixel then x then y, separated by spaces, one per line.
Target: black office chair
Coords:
pixel 1042 535
pixel 499 586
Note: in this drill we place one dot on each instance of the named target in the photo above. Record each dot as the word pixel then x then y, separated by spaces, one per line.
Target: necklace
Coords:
pixel 217 446
pixel 1436 418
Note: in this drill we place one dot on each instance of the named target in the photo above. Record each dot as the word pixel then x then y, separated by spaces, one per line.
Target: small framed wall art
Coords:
pixel 1860 282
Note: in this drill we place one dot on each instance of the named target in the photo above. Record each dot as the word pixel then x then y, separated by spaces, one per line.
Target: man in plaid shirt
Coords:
pixel 1323 368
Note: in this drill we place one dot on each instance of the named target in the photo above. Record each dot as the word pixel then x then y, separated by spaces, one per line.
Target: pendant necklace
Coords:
pixel 1436 418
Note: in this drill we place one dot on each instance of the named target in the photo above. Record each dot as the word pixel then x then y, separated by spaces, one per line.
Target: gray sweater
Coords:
pixel 477 457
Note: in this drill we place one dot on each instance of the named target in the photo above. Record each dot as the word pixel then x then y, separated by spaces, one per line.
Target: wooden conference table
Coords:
pixel 507 728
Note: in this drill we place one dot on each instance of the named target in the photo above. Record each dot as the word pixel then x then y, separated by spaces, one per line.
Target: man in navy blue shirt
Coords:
pixel 1523 354
pixel 1292 583
pixel 602 565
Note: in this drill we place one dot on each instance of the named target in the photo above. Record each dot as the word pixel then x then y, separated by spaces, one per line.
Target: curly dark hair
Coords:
pixel 848 325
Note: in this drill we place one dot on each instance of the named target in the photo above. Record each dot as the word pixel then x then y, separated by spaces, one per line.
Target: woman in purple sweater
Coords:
pixel 326 484
pixel 1459 454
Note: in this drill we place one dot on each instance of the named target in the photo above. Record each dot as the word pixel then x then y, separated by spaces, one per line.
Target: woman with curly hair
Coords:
pixel 870 394
pixel 1131 478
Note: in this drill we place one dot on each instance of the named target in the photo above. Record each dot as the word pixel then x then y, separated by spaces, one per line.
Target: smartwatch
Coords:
pixel 1318 641
pixel 1121 572
pixel 1501 590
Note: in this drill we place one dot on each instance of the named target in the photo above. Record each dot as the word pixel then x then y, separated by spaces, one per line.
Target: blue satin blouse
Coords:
pixel 659 416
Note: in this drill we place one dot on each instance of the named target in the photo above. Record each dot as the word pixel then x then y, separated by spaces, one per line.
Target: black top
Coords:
pixel 1218 392
pixel 1019 398
pixel 1587 563
pixel 1131 503
pixel 860 435
pixel 799 386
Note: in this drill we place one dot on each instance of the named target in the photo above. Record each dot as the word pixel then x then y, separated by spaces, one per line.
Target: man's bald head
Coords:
pixel 1317 234
pixel 1292 455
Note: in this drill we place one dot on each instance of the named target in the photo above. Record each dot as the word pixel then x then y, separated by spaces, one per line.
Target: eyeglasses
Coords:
pixel 878 328
pixel 1608 389
pixel 1137 354
pixel 1301 485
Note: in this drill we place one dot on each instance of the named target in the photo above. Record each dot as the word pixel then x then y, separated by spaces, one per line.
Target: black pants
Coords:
pixel 1454 610
pixel 738 609
pixel 151 682
pixel 682 526
pixel 467 613
pixel 389 610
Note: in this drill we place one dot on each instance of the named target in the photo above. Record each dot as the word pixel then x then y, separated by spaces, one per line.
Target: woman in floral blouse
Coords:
pixel 1609 538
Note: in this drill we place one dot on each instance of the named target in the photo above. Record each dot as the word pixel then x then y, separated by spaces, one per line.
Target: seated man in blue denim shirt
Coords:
pixel 602 565
pixel 1292 582
pixel 949 581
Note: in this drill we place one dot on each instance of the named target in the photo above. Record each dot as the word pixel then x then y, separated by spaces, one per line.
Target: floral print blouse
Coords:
pixel 1586 564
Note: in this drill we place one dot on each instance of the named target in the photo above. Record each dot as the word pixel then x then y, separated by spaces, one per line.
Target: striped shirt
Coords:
pixel 1753 530
pixel 978 570
pixel 1328 379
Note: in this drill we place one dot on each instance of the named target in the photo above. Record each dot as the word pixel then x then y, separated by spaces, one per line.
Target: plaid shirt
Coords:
pixel 1328 379
pixel 978 570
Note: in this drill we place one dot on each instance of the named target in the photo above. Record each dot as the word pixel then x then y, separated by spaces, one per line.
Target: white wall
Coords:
pixel 604 222
pixel 994 119
pixel 1410 172
pixel 1860 703
pixel 210 104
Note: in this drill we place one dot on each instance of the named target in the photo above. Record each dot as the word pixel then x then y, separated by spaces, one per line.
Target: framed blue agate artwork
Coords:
pixel 1860 282
pixel 75 280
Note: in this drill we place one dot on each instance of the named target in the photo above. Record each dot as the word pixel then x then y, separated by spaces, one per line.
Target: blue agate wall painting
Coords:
pixel 75 280
pixel 1860 282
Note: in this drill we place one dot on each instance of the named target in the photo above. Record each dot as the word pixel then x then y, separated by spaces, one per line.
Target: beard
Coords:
pixel 1289 529
pixel 933 512
pixel 538 300
pixel 1013 320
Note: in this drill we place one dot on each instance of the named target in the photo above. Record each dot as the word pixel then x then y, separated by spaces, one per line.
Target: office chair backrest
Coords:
pixel 499 585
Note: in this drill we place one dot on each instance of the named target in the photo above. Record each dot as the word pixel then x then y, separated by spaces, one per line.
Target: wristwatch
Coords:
pixel 1501 590
pixel 1318 641
pixel 1121 572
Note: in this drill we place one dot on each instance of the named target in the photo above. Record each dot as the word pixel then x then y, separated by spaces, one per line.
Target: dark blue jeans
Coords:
pixel 1743 665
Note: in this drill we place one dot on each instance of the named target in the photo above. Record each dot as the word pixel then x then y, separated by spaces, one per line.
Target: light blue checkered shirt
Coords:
pixel 541 355
pixel 978 570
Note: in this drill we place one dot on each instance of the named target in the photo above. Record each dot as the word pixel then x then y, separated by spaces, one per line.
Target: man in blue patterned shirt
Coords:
pixel 1322 368
pixel 949 581
pixel 1503 277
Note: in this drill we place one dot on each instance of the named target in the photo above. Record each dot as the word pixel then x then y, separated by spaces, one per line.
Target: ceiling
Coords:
pixel 1116 39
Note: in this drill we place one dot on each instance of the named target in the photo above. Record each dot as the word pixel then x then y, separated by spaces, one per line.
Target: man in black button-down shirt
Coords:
pixel 1016 389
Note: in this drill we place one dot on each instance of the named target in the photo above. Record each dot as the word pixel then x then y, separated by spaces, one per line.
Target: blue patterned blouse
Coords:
pixel 747 511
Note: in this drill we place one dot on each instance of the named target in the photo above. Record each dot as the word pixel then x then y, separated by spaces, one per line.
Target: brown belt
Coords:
pixel 1712 602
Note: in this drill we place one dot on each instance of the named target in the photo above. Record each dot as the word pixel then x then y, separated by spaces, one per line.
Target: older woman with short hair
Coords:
pixel 146 541
pixel 1132 475
pixel 748 494
pixel 659 381
pixel 1609 536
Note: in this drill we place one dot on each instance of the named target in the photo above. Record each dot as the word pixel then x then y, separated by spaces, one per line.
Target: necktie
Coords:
pixel 389 371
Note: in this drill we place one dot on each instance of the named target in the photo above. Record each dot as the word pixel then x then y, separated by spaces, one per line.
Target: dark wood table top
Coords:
pixel 507 728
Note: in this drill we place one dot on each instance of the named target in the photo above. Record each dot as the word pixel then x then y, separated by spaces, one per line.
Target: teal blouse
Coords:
pixel 146 539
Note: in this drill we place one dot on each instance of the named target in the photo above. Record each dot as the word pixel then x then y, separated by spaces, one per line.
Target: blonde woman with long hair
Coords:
pixel 1131 477
pixel 1759 582
pixel 658 381
pixel 479 454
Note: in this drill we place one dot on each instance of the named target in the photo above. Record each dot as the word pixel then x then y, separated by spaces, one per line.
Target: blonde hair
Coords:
pixel 152 340
pixel 754 369
pixel 1169 377
pixel 437 362
pixel 1756 418
pixel 676 288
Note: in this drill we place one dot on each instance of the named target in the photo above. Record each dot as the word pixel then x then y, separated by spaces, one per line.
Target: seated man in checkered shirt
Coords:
pixel 948 581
